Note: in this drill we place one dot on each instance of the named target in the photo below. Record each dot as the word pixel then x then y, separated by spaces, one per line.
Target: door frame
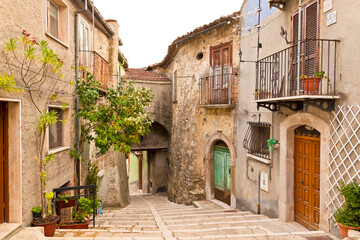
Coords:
pixel 15 154
pixel 310 225
pixel 286 168
pixel 209 166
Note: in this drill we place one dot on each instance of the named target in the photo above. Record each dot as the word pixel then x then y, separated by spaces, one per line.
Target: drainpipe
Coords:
pixel 299 50
pixel 77 102
pixel 258 200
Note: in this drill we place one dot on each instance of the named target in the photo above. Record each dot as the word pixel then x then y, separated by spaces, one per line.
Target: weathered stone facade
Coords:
pixel 193 124
pixel 31 15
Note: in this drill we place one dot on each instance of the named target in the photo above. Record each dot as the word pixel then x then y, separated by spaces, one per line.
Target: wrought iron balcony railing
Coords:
pixel 217 90
pixel 97 65
pixel 278 76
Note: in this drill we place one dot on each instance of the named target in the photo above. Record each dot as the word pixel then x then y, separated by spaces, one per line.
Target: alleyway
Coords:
pixel 154 217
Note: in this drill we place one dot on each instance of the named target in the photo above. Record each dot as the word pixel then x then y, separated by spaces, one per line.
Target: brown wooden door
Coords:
pixel 307 181
pixel 4 173
pixel 220 60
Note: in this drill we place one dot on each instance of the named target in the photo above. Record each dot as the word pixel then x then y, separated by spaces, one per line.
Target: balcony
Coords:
pixel 99 67
pixel 218 91
pixel 283 80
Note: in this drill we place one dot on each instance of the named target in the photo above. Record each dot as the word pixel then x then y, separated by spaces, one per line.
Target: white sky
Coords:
pixel 148 27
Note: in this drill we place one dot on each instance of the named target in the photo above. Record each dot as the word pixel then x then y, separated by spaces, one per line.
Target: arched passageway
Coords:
pixel 148 162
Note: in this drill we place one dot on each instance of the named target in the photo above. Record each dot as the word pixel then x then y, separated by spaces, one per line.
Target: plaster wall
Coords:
pixel 193 125
pixel 30 15
pixel 273 202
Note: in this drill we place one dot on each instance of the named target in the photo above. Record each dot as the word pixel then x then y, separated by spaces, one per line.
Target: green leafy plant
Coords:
pixel 35 67
pixel 260 92
pixel 349 213
pixel 36 209
pixel 93 175
pixel 83 210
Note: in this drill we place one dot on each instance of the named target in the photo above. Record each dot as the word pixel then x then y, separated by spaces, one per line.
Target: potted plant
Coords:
pixel 36 212
pixel 64 201
pixel 348 216
pixel 261 94
pixel 81 214
pixel 311 84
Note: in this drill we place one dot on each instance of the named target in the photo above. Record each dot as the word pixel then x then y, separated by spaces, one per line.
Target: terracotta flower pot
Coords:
pixel 74 225
pixel 49 227
pixel 309 86
pixel 344 230
pixel 63 204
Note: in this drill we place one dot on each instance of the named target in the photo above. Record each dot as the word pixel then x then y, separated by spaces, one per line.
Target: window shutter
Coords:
pixel 311 26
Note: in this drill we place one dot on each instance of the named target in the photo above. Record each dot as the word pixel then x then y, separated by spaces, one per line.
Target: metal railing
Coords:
pixel 255 140
pixel 278 75
pixel 217 89
pixel 97 64
pixel 88 191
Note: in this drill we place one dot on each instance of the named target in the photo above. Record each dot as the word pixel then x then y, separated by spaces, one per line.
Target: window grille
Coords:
pixel 256 138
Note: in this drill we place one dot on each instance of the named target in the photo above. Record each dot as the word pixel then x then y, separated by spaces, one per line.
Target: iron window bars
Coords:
pixel 256 137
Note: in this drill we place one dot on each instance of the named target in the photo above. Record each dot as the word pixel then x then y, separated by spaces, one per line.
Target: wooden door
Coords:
pixel 4 173
pixel 222 174
pixel 307 181
pixel 309 49
pixel 220 60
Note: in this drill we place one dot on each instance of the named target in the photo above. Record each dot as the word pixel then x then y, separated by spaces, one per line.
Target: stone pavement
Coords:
pixel 154 217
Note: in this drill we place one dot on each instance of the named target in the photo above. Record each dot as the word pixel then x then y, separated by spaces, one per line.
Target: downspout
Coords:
pixel 299 50
pixel 77 101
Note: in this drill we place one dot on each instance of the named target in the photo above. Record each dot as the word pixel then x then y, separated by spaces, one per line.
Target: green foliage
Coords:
pixel 119 121
pixel 83 210
pixel 36 209
pixel 7 83
pixel 92 176
pixel 46 119
pixel 349 213
pixel 49 196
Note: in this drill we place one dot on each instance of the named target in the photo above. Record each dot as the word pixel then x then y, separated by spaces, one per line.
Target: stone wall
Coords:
pixel 192 125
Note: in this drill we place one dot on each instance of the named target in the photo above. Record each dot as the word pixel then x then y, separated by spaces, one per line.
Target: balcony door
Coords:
pixel 309 46
pixel 221 68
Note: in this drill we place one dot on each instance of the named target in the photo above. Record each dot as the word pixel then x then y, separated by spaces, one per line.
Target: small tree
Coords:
pixel 38 70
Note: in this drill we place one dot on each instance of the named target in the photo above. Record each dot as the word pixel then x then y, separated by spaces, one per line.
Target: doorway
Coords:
pixel 222 174
pixel 307 177
pixel 4 164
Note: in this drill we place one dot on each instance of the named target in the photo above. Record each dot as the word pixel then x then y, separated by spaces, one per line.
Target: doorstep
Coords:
pixel 9 229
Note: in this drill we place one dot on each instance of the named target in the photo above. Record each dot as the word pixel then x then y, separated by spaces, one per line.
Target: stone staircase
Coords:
pixel 154 217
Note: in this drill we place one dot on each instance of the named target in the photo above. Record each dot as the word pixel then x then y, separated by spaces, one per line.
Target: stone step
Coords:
pixel 204 214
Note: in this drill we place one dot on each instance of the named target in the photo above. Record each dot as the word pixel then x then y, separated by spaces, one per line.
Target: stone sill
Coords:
pixel 57 150
pixel 260 159
pixel 56 39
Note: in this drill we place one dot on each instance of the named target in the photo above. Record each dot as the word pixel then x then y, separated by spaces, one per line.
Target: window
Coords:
pixel 221 69
pixel 309 59
pixel 255 140
pixel 53 20
pixel 174 86
pixel 56 130
pixel 57 21
pixel 84 44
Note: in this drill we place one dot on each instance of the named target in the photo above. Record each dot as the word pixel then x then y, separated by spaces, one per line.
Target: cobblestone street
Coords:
pixel 154 217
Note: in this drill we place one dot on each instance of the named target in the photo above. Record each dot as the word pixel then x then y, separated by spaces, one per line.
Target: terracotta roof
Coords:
pixel 173 48
pixel 142 74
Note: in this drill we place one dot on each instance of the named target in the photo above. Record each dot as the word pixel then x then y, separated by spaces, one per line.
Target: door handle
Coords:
pixel 302 181
pixel 230 170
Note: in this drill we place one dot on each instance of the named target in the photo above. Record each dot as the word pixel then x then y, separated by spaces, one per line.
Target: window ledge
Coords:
pixel 57 150
pixel 217 105
pixel 260 159
pixel 56 39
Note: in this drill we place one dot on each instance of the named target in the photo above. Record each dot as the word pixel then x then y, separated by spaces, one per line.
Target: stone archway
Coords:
pixel 209 165
pixel 286 176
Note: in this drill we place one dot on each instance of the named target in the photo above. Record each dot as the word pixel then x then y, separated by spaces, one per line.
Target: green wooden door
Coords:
pixel 222 174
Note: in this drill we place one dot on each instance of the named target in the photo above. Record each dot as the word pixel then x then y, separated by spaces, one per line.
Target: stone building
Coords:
pixel 148 168
pixel 203 65
pixel 96 45
pixel 301 91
